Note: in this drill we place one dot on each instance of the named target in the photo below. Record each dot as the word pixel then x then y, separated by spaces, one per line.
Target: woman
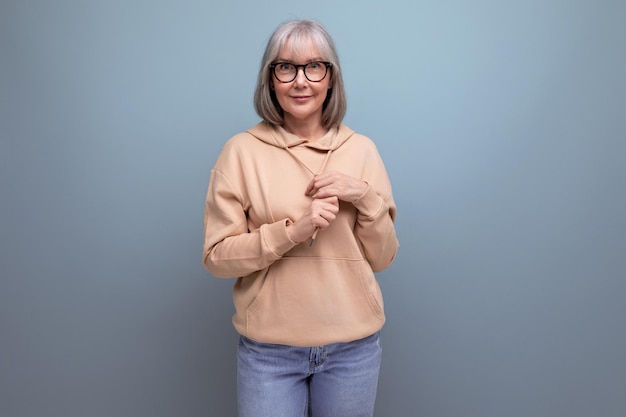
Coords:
pixel 300 210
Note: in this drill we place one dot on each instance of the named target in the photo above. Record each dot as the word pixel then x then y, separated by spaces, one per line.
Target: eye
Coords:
pixel 315 65
pixel 284 66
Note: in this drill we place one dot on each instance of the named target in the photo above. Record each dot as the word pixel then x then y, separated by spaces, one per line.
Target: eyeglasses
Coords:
pixel 286 72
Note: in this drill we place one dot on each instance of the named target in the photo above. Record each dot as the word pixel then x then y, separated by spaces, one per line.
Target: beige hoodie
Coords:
pixel 290 293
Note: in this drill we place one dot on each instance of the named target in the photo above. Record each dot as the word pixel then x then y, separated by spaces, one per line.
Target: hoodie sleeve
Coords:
pixel 375 229
pixel 230 249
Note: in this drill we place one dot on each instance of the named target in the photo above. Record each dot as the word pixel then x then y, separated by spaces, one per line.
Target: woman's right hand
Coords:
pixel 320 215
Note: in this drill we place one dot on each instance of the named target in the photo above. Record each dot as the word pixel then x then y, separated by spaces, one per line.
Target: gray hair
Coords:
pixel 299 32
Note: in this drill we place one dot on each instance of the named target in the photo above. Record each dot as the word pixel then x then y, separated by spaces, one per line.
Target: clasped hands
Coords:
pixel 326 190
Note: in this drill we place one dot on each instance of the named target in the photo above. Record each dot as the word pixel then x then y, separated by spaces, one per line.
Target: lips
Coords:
pixel 301 99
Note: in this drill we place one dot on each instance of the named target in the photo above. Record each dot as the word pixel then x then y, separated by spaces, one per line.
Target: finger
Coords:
pixel 331 201
pixel 310 187
pixel 323 180
pixel 333 207
pixel 328 218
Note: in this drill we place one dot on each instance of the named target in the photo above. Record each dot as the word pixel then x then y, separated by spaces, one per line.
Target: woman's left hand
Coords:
pixel 336 184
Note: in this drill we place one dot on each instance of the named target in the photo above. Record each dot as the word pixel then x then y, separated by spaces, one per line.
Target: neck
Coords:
pixel 305 129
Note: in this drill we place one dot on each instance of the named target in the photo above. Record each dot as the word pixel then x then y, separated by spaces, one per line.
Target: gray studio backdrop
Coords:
pixel 502 124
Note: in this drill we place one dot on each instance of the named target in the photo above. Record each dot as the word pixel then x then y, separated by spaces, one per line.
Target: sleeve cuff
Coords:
pixel 369 204
pixel 276 237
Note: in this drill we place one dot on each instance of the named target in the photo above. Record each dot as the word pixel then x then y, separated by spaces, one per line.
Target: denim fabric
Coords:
pixel 336 380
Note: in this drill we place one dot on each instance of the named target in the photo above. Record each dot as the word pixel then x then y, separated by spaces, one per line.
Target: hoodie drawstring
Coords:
pixel 326 158
pixel 325 161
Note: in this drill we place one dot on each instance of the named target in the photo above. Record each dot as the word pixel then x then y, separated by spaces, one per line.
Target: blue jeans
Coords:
pixel 336 380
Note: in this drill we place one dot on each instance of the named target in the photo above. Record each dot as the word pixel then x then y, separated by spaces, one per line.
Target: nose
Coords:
pixel 300 77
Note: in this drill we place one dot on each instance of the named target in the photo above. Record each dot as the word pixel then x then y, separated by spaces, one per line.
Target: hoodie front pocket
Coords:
pixel 300 292
pixel 372 290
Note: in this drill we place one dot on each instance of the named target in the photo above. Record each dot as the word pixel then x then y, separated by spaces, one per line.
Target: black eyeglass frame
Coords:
pixel 326 64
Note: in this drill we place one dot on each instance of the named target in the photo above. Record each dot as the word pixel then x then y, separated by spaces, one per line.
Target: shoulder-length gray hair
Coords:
pixel 299 33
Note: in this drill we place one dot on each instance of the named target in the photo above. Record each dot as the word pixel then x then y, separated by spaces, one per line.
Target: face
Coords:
pixel 301 99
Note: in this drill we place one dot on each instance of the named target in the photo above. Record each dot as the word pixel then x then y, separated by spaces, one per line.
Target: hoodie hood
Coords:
pixel 279 137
